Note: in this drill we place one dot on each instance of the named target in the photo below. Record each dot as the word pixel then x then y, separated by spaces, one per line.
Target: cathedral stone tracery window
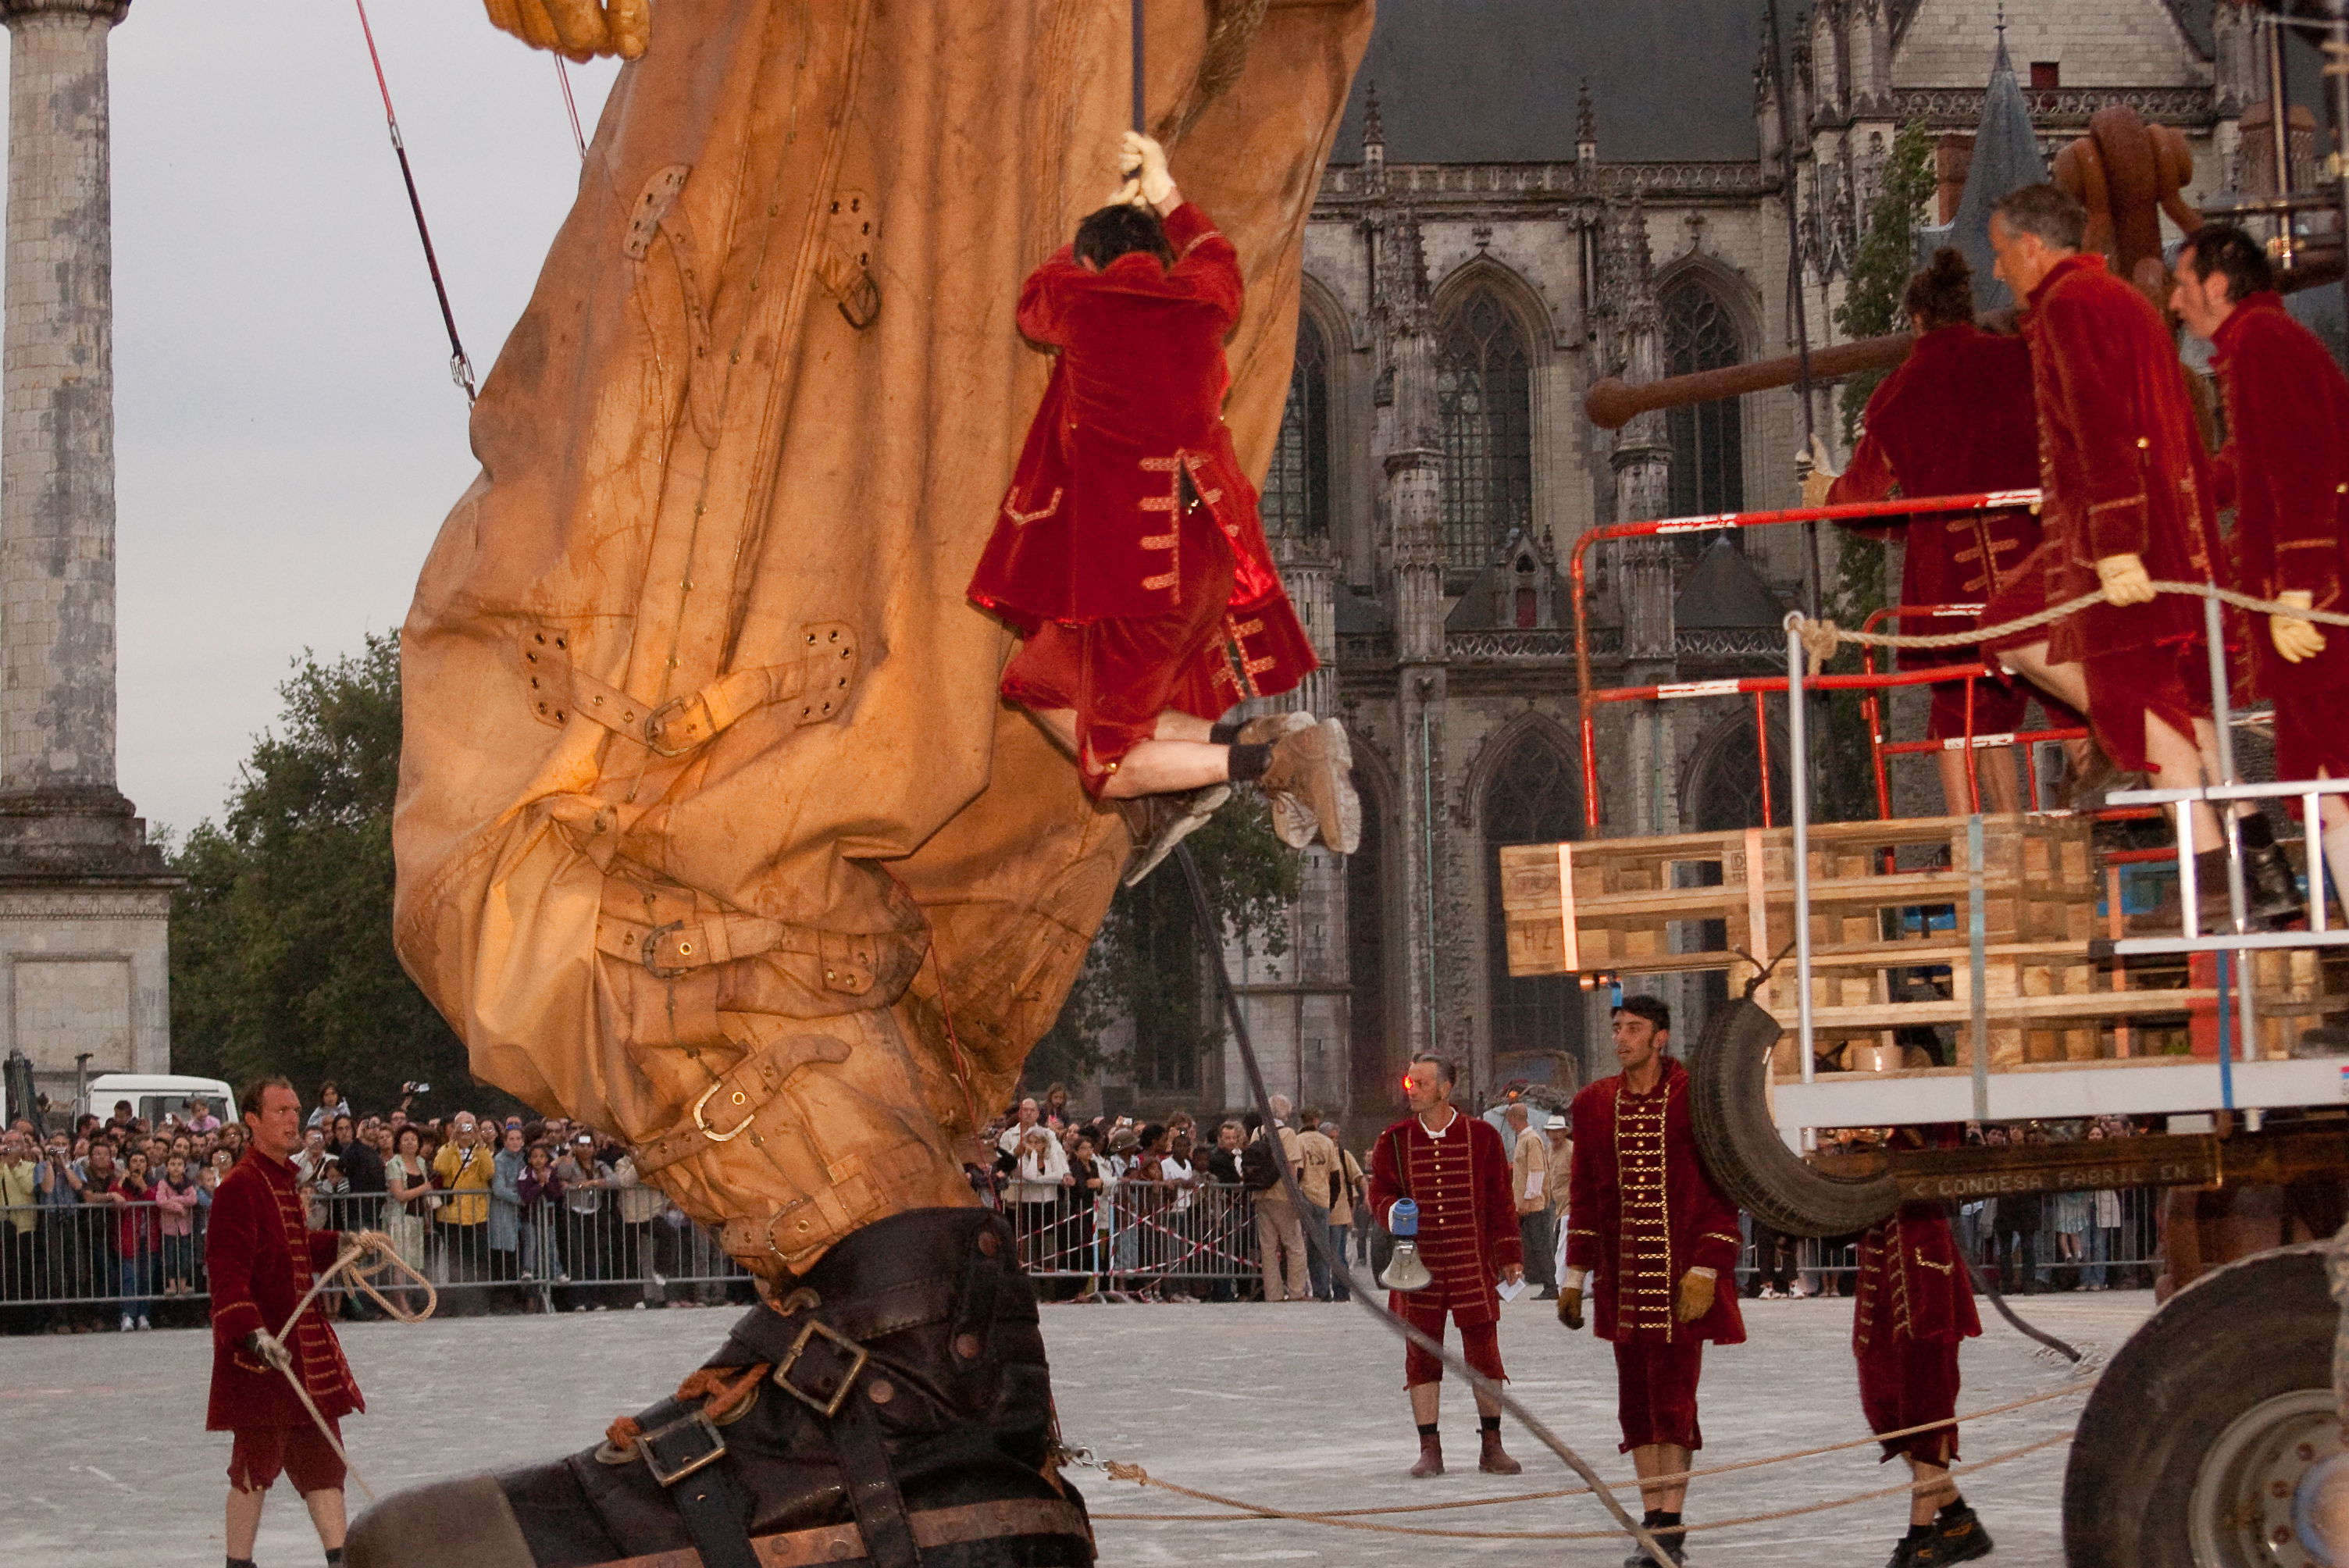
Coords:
pixel 1485 407
pixel 1532 799
pixel 1707 441
pixel 1296 488
pixel 1376 1055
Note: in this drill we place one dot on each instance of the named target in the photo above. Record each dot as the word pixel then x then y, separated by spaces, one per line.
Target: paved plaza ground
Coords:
pixel 1298 1405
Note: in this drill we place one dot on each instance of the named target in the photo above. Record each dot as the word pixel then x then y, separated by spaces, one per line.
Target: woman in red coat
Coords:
pixel 1129 552
pixel 1955 418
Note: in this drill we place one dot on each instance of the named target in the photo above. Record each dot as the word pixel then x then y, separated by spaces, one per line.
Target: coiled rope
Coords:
pixel 362 1274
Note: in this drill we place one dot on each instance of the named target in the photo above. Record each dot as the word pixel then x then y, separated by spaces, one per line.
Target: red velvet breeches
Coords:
pixel 1480 1345
pixel 1119 673
pixel 1907 1383
pixel 2125 689
pixel 2312 731
pixel 1655 1391
pixel 301 1453
pixel 2000 708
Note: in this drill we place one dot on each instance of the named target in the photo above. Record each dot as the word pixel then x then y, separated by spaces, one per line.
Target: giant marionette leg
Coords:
pixel 713 831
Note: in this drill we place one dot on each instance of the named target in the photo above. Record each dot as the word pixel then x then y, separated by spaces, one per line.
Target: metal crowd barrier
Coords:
pixel 1133 1232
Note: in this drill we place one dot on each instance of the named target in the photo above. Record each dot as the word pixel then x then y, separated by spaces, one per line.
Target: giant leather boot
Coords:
pixel 890 1407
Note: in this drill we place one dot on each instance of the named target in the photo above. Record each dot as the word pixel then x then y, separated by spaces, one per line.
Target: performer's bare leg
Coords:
pixel 1934 1490
pixel 2178 762
pixel 243 1525
pixel 326 1506
pixel 1994 767
pixel 1425 1397
pixel 1180 758
pixel 1662 1459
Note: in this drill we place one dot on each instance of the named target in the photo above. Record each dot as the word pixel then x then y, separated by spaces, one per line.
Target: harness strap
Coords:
pixel 679 947
pixel 933 1529
pixel 817 682
pixel 683 1458
pixel 728 1105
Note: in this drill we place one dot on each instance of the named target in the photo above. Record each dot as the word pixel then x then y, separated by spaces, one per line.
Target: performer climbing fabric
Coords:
pixel 261 1257
pixel 1454 1167
pixel 1129 551
pixel 1956 416
pixel 1913 1306
pixel 1653 1236
pixel 2285 469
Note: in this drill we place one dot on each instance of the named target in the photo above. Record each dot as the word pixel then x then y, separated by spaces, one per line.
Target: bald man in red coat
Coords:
pixel 1454 1167
pixel 1644 1218
pixel 1129 552
pixel 1955 418
pixel 261 1257
pixel 2285 469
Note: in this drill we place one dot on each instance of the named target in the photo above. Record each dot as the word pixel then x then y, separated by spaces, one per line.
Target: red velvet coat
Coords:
pixel 1911 1284
pixel 1640 1213
pixel 2121 461
pixel 1468 1212
pixel 1087 530
pixel 261 1257
pixel 2285 470
pixel 1955 417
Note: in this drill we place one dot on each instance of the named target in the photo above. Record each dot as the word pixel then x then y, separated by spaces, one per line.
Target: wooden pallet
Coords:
pixel 1708 901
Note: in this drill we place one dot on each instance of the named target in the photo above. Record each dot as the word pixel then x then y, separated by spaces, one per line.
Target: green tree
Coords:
pixel 1147 962
pixel 281 941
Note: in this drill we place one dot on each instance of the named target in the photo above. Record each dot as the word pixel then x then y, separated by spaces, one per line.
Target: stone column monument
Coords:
pixel 84 901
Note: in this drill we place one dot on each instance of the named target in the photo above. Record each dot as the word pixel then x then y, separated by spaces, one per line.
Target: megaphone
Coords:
pixel 1404 1271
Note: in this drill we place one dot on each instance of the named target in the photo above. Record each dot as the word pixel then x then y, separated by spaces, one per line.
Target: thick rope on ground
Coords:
pixel 1247 1511
pixel 1821 638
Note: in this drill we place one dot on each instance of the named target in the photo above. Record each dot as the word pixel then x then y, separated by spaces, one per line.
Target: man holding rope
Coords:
pixel 2285 469
pixel 263 1257
pixel 2125 500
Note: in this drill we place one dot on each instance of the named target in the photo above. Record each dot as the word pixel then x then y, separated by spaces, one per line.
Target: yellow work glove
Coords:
pixel 1696 1296
pixel 2123 580
pixel 579 29
pixel 1569 1306
pixel 2295 638
pixel 1811 469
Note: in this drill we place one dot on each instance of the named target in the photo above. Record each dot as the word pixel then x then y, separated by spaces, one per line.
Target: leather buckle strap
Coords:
pixel 831 1362
pixel 679 947
pixel 727 1107
pixel 818 681
pixel 684 1446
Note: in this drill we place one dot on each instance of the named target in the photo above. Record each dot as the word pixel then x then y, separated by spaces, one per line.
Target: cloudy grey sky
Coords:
pixel 289 438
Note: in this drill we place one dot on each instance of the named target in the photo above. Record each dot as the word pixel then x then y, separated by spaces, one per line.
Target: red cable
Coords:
pixel 571 107
pixel 460 367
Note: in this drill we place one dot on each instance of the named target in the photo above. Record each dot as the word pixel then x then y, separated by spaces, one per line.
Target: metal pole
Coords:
pixel 2279 135
pixel 1140 120
pixel 1978 964
pixel 1799 312
pixel 2231 825
pixel 1427 850
pixel 1799 742
pixel 2336 76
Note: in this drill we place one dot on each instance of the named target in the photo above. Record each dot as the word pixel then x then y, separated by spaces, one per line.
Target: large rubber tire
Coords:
pixel 2218 1386
pixel 1741 1147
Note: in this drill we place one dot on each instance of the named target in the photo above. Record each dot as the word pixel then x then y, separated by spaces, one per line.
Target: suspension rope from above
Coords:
pixel 460 368
pixel 571 107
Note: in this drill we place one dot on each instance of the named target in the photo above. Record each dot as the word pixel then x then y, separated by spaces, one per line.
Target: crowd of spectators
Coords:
pixel 102 1223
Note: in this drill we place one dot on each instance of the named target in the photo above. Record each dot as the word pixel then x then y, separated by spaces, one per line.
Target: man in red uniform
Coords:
pixel 1454 1167
pixel 1128 550
pixel 1955 418
pixel 1913 1306
pixel 261 1257
pixel 1642 1215
pixel 2125 500
pixel 2285 467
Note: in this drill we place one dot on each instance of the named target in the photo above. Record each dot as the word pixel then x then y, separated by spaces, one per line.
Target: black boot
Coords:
pixel 893 1401
pixel 2271 890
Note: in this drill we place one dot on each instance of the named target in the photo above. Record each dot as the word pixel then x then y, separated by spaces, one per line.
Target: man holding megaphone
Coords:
pixel 1447 1174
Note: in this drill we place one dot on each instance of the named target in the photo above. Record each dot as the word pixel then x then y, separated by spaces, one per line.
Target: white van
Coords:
pixel 154 1095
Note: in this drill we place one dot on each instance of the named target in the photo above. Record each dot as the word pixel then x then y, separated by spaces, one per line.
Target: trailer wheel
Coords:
pixel 1741 1147
pixel 2213 1440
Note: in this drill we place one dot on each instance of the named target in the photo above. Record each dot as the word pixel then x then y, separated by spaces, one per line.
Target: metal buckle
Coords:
pixel 647 951
pixel 647 1444
pixel 710 1132
pixel 657 721
pixel 858 1355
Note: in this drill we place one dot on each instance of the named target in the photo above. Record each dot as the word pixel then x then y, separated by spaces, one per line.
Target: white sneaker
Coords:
pixel 144 1325
pixel 126 1323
